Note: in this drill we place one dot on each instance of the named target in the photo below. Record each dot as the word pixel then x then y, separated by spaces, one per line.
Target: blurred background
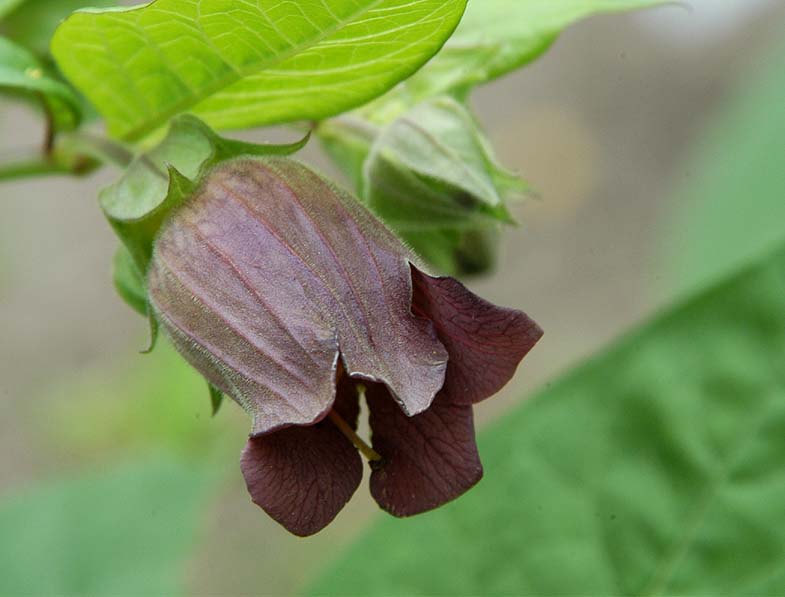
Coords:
pixel 630 129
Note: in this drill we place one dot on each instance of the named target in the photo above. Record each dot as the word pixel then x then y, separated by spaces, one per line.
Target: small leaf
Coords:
pixel 432 176
pixel 654 469
pixel 21 72
pixel 246 64
pixel 440 140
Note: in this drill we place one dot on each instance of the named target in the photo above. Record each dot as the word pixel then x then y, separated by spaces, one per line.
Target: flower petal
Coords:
pixel 303 476
pixel 427 460
pixel 485 342
pixel 267 272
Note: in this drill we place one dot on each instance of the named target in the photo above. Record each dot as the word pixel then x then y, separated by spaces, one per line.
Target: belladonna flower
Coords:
pixel 290 297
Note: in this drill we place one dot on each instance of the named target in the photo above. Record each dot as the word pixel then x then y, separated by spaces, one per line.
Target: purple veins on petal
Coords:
pixel 427 460
pixel 286 294
pixel 267 272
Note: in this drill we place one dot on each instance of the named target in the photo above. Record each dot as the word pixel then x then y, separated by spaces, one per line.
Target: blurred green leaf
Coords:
pixel 124 532
pixel 654 469
pixel 248 64
pixel 431 176
pixel 494 38
pixel 440 140
pixel 731 207
pixel 154 401
pixel 32 23
pixel 21 72
pixel 7 6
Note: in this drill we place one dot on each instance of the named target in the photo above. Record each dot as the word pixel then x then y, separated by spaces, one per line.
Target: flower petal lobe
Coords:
pixel 485 342
pixel 427 460
pixel 303 476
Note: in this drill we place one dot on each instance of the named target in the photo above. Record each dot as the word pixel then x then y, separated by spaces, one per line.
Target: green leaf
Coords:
pixel 494 38
pixel 21 72
pixel 654 469
pixel 431 176
pixel 246 64
pixel 8 6
pixel 731 208
pixel 32 23
pixel 124 532
pixel 159 180
pixel 440 140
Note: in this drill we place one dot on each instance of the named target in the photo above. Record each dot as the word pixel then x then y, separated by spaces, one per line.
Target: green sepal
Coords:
pixel 216 398
pixel 160 180
pixel 153 322
pixel 128 281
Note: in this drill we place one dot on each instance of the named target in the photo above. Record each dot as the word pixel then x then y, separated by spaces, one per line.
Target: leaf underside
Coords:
pixel 246 64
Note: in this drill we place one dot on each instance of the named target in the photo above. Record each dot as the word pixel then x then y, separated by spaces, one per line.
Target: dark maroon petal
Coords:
pixel 427 459
pixel 303 476
pixel 485 342
pixel 267 272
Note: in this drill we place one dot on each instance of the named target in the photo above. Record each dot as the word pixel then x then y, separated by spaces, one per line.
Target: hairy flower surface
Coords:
pixel 290 297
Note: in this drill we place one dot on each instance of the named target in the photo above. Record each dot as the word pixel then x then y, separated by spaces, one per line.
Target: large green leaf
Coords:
pixel 732 206
pixel 246 64
pixel 658 468
pixel 124 532
pixel 21 72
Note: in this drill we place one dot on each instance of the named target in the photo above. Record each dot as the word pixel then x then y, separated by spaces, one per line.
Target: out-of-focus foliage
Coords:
pixel 254 64
pixel 22 73
pixel 432 176
pixel 8 6
pixel 654 469
pixel 494 38
pixel 123 532
pixel 158 403
pixel 31 23
pixel 732 207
